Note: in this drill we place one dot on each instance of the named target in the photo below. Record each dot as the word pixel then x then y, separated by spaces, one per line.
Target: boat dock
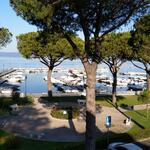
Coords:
pixel 6 72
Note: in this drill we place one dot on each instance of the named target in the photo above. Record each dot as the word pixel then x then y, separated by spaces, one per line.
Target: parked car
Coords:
pixel 123 146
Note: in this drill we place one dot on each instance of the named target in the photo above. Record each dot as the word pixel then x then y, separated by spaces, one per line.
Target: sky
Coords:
pixel 14 23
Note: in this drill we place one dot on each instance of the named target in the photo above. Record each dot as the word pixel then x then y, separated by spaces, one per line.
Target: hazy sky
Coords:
pixel 14 23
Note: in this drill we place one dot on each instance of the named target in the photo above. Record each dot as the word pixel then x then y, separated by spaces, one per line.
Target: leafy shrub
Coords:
pixel 71 113
pixel 5 102
pixel 15 95
pixel 12 142
pixel 24 100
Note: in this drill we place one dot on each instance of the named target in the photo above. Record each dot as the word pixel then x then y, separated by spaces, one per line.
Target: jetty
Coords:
pixel 6 72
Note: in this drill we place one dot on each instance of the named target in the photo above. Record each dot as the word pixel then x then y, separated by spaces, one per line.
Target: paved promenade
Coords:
pixel 36 122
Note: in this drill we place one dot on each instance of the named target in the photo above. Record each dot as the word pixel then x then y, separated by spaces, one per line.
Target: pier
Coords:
pixel 6 72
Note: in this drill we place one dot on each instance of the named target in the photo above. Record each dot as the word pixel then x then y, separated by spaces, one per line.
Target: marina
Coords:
pixel 72 81
pixel 30 76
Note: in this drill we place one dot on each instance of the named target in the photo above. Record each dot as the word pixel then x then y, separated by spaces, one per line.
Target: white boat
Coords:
pixel 134 73
pixel 71 90
pixel 14 78
pixel 6 91
pixel 123 82
pixel 136 86
pixel 54 80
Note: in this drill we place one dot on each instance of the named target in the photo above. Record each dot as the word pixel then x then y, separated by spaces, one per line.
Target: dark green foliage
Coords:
pixel 115 48
pixel 5 102
pixel 144 96
pixel 15 95
pixel 71 113
pixel 5 37
pixel 91 17
pixel 140 39
pixel 50 48
pixel 12 142
pixel 44 46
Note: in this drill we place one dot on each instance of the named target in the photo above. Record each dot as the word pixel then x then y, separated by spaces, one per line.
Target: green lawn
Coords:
pixel 102 100
pixel 141 128
pixel 129 100
pixel 8 141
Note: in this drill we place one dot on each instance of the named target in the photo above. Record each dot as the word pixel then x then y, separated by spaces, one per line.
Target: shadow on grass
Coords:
pixel 140 114
pixel 100 98
pixel 61 98
pixel 134 121
pixel 108 98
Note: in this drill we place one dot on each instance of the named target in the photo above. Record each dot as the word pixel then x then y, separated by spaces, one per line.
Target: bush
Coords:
pixel 15 95
pixel 12 142
pixel 5 102
pixel 65 113
pixel 24 100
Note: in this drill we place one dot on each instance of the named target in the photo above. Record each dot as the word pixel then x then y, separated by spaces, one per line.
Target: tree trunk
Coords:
pixel 148 81
pixel 114 86
pixel 90 106
pixel 49 83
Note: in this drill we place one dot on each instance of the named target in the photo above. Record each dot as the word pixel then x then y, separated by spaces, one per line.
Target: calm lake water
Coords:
pixel 35 82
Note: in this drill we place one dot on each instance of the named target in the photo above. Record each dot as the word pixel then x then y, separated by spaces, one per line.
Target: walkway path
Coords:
pixel 35 122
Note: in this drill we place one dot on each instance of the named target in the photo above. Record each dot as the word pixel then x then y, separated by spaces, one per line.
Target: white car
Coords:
pixel 123 146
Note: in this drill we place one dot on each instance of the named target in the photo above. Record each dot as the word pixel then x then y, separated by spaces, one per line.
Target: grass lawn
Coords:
pixel 10 142
pixel 102 100
pixel 141 128
pixel 129 100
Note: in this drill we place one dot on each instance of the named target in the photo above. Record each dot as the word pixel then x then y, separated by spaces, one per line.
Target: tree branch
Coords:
pixel 137 66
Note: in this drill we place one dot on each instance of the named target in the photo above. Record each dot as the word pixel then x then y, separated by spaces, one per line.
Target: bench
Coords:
pixel 125 106
pixel 14 109
pixel 127 121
